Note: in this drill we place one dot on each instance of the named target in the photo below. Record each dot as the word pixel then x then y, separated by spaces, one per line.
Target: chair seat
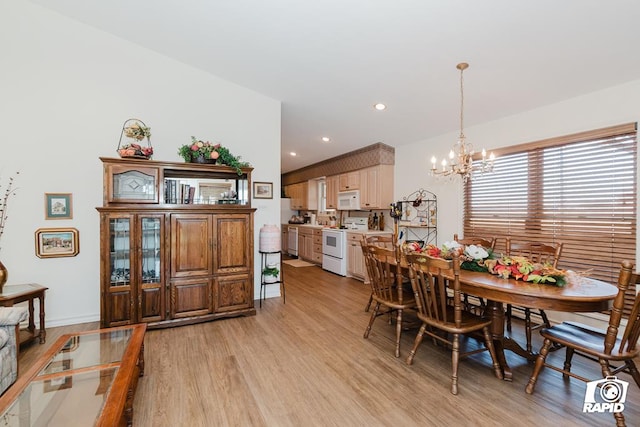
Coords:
pixel 408 301
pixel 586 339
pixel 470 322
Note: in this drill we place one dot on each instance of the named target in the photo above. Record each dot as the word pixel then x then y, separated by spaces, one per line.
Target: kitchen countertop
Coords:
pixel 349 230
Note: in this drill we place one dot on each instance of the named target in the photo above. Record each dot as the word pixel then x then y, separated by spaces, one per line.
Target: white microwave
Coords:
pixel 349 200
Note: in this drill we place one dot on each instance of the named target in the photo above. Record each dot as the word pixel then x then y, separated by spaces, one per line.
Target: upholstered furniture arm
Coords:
pixel 11 316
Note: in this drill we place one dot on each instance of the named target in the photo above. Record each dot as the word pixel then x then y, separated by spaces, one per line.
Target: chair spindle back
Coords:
pixel 478 241
pixel 383 271
pixel 535 251
pixel 632 330
pixel 430 287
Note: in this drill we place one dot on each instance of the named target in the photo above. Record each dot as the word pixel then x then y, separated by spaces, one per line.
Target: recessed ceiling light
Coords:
pixel 379 106
pixel 293 154
pixel 326 139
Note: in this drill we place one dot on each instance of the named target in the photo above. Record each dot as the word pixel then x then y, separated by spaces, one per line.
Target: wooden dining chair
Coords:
pixel 537 253
pixel 475 303
pixel 431 291
pixel 487 243
pixel 388 295
pixel 385 241
pixel 604 346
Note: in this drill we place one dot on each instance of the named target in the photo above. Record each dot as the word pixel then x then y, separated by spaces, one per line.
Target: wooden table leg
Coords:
pixel 496 313
pixel 32 324
pixel 43 332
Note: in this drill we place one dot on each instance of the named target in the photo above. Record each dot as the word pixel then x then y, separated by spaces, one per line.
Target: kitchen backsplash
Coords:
pixel 327 218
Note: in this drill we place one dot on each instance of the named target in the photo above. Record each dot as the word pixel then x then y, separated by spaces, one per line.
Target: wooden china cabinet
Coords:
pixel 176 243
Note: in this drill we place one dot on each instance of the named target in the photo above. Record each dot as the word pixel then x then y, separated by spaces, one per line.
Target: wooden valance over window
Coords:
pixel 579 189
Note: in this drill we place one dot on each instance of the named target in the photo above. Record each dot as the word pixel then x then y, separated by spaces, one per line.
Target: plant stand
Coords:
pixel 263 281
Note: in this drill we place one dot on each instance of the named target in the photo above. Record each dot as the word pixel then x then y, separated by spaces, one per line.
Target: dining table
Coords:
pixel 579 294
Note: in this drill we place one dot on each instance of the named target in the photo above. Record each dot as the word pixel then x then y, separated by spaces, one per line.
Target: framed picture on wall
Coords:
pixel 57 242
pixel 263 190
pixel 58 206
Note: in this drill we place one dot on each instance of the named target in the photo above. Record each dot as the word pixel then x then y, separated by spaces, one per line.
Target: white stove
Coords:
pixel 334 244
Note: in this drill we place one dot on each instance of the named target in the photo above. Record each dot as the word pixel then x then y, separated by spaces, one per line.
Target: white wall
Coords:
pixel 65 91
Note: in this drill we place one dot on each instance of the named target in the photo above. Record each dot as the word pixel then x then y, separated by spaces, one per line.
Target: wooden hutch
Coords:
pixel 176 243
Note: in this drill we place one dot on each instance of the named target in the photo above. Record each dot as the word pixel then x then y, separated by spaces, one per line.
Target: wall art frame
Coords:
pixel 57 242
pixel 263 190
pixel 58 206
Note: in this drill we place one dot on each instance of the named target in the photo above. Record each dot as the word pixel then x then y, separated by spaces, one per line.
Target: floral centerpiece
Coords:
pixel 206 152
pixel 478 258
pixel 521 268
pixel 137 131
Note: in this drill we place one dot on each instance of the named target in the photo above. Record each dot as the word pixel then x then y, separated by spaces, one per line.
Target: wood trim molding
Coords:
pixel 372 155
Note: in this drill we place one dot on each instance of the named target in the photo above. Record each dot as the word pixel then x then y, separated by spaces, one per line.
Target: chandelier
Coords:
pixel 461 155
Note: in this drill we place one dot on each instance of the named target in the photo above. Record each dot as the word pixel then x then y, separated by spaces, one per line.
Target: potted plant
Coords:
pixel 206 152
pixel 270 273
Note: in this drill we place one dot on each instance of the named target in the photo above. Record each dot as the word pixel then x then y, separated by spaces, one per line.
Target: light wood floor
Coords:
pixel 305 363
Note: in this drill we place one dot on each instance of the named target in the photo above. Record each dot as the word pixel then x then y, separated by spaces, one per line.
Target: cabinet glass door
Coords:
pixel 120 251
pixel 150 247
pixel 134 185
pixel 150 295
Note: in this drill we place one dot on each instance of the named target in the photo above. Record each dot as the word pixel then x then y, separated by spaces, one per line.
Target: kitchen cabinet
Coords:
pixel 332 186
pixel 355 258
pixel 175 256
pixel 349 181
pixel 356 266
pixel 317 246
pixel 304 195
pixel 310 244
pixel 376 187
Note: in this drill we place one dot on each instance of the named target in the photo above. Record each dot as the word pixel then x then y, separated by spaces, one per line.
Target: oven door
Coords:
pixel 333 243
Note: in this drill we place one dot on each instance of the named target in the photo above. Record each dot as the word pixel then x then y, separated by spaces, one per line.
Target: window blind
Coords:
pixel 578 189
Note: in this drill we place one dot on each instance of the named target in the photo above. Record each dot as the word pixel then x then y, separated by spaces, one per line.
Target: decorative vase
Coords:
pixel 4 274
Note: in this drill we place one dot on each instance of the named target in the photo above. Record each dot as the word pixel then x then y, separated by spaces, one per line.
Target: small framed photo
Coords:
pixel 263 190
pixel 57 242
pixel 58 206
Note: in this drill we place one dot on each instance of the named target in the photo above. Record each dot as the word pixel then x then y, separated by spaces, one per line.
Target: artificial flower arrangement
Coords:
pixel 478 258
pixel 206 152
pixel 521 268
pixel 137 131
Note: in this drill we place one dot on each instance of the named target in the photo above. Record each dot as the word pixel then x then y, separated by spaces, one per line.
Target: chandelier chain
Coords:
pixel 461 104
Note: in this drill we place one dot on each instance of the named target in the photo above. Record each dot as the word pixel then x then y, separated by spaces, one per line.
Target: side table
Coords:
pixel 13 294
pixel 263 283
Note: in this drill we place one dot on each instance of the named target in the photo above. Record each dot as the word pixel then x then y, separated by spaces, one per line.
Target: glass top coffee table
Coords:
pixel 87 378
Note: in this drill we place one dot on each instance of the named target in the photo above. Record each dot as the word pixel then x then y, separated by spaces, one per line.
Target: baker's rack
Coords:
pixel 416 217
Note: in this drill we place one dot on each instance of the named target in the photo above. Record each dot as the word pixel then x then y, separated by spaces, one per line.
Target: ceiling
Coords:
pixel 329 61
